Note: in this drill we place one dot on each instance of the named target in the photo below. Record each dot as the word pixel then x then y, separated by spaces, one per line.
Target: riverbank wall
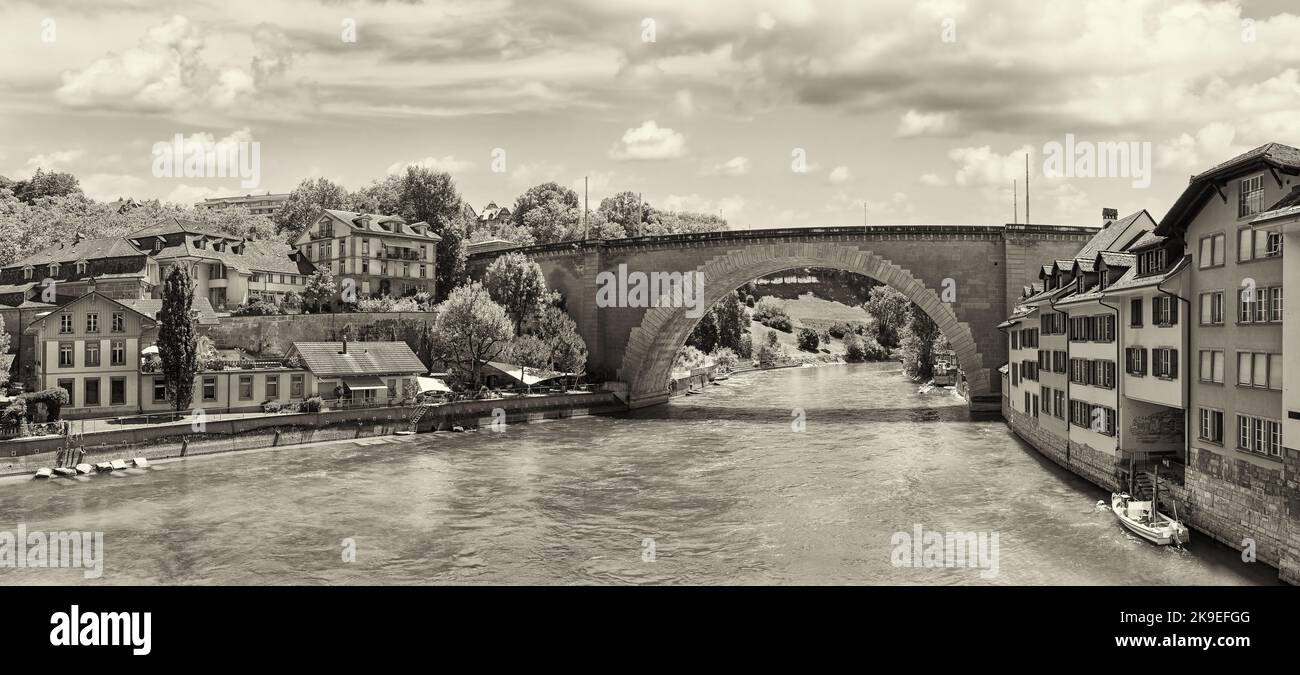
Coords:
pixel 1237 504
pixel 25 456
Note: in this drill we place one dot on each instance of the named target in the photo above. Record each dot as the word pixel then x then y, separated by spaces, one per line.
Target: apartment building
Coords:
pixel 374 254
pixel 1285 216
pixel 227 270
pixel 258 205
pixel 66 271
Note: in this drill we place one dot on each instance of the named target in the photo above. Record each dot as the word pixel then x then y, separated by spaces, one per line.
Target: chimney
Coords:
pixel 345 345
pixel 1109 216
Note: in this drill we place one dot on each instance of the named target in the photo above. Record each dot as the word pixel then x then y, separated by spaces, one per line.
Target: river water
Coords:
pixel 712 489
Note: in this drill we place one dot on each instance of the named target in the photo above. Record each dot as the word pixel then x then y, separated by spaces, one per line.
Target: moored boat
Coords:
pixel 1141 518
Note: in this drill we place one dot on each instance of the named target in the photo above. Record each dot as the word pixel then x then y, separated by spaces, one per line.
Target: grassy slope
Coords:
pixel 813 312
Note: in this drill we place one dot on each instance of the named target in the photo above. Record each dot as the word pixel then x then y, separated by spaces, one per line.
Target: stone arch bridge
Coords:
pixel 985 266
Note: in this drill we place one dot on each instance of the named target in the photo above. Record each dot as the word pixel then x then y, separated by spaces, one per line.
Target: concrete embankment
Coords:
pixel 25 456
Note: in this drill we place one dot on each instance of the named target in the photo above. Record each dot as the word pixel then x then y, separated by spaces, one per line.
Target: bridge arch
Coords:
pixel 653 345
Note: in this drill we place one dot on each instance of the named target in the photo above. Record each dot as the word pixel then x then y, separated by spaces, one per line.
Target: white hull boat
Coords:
pixel 1136 516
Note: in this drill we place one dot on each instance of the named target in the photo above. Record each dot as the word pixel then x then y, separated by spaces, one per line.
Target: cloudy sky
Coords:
pixel 914 111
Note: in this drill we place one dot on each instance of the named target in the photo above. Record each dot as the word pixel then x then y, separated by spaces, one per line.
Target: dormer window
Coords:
pixel 1151 262
pixel 54 269
pixel 28 271
pixel 81 267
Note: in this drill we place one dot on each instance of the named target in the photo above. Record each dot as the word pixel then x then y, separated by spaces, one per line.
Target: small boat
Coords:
pixel 1141 518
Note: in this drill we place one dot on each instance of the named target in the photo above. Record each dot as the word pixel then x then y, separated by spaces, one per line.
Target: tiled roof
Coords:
pixel 1020 313
pixel 398 225
pixel 173 225
pixel 1131 280
pixel 1274 152
pixel 260 256
pixel 1086 264
pixel 151 306
pixel 1117 259
pixel 1108 236
pixel 86 249
pixel 325 359
pixel 1288 205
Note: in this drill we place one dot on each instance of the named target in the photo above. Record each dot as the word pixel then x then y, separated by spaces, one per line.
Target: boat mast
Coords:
pixel 1155 496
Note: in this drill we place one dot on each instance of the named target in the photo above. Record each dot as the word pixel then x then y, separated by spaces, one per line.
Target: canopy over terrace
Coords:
pixel 523 374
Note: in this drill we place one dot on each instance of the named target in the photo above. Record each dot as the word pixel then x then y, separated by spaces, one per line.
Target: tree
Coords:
pixel 918 344
pixel 319 290
pixel 731 321
pixel 382 196
pixel 516 283
pixel 538 195
pixel 46 184
pixel 558 330
pixel 553 221
pixel 429 196
pixel 808 340
pixel 177 338
pixel 470 330
pixel 684 222
pixel 889 308
pixel 305 204
pixel 704 336
pixel 628 211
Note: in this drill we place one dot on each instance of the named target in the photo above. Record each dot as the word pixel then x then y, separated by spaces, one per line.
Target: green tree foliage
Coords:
pixel 889 308
pixel 178 338
pixel 471 329
pixel 305 204
pixel 516 282
pixel 732 324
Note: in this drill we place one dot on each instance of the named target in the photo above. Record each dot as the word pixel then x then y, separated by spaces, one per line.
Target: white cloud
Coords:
pixel 839 175
pixel 649 142
pixel 110 186
pixel 684 102
pixel 736 166
pixel 933 180
pixel 915 123
pixel 983 167
pixel 446 163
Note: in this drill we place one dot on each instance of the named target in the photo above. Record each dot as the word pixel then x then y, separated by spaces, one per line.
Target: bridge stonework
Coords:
pixel 985 266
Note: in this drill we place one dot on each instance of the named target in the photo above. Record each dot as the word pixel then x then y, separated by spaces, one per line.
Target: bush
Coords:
pixel 858 348
pixel 52 400
pixel 781 323
pixel 768 355
pixel 839 329
pixel 749 301
pixel 271 407
pixel 291 302
pixel 257 307
pixel 769 308
pixel 746 346
pixel 15 413
pixel 312 405
pixel 808 340
pixel 724 358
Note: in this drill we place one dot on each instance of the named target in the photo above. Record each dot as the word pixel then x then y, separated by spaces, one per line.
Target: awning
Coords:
pixel 432 384
pixel 363 383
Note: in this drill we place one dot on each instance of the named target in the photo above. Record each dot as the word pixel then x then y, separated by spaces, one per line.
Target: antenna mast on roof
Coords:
pixel 1026 188
pixel 1015 203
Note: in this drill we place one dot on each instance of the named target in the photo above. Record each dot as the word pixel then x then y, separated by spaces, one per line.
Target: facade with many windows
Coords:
pixel 373 254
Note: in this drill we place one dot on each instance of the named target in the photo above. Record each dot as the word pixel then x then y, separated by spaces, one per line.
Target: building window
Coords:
pixel 92 322
pixel 1259 370
pixel 69 386
pixel 1151 262
pixel 1272 244
pixel 245 387
pixel 119 322
pixel 1033 406
pixel 1164 311
pixel 1259 435
pixel 92 354
pixel 117 352
pixel 159 390
pixel 1211 425
pixel 295 386
pixel 1060 362
pixel 1212 308
pixel 1275 295
pixel 272 387
pixel 1058 403
pixel 1135 313
pixel 92 392
pixel 65 324
pixel 1135 361
pixel 1212 366
pixel 117 391
pixel 209 387
pixel 28 271
pixel 1212 248
pixel 1164 363
pixel 54 270
pixel 1250 196
pixel 65 355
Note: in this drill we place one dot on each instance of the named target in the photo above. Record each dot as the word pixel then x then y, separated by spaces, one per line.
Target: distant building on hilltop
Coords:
pixel 258 205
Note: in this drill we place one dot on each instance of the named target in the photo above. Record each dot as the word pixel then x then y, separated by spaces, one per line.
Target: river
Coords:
pixel 713 489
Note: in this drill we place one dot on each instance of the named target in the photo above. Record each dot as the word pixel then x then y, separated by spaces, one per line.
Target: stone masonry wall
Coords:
pixel 1229 501
pixel 273 334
